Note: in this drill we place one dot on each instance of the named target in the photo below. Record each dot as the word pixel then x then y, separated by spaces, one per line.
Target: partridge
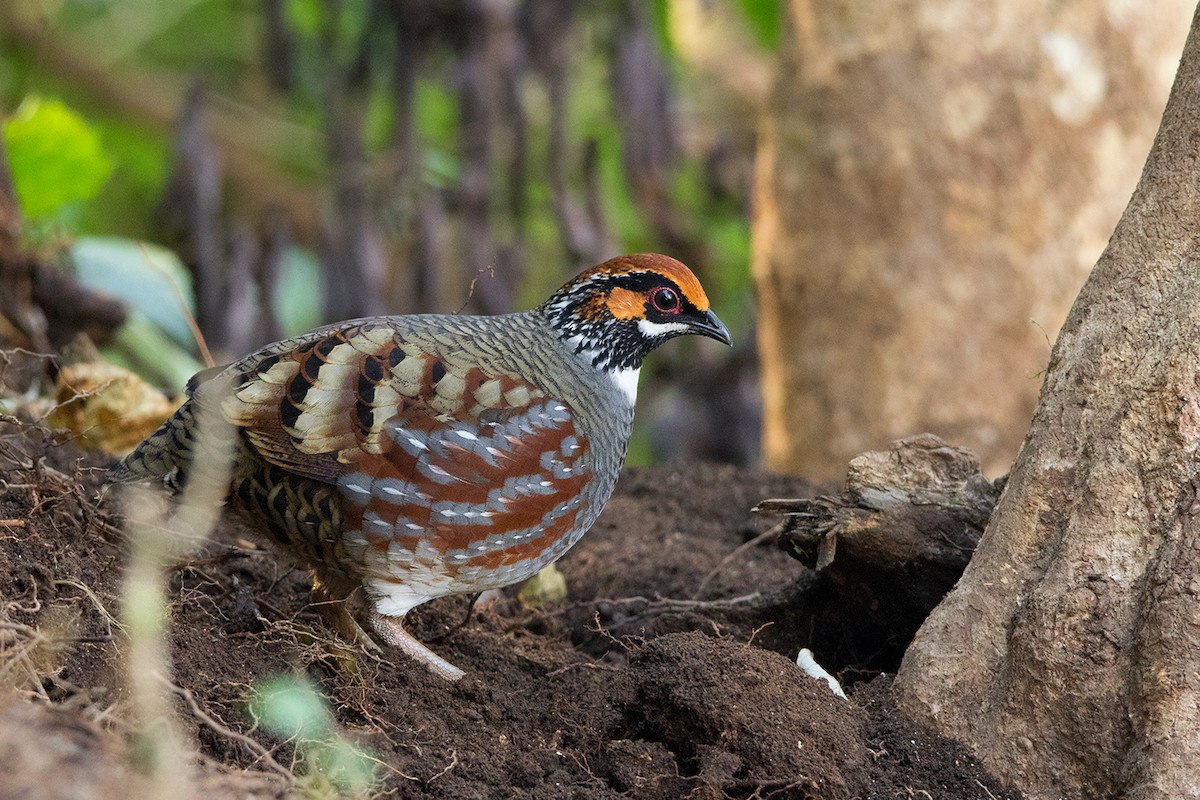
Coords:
pixel 428 455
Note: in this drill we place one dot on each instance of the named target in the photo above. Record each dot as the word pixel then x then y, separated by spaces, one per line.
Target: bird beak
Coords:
pixel 712 327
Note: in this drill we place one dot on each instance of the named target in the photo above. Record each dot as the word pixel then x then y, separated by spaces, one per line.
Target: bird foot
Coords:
pixel 391 630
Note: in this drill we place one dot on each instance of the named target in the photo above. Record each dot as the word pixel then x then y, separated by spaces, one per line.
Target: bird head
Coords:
pixel 615 313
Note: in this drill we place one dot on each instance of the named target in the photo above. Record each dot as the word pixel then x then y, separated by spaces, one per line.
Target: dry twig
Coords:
pixel 261 753
pixel 755 542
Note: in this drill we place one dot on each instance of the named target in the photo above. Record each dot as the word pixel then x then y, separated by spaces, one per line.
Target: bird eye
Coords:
pixel 665 299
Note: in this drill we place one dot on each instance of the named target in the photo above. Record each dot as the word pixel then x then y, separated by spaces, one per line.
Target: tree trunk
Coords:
pixel 1068 656
pixel 935 179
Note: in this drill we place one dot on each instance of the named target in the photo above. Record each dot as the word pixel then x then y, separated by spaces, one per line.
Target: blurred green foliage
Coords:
pixel 89 106
pixel 140 160
pixel 173 43
pixel 297 307
pixel 763 18
pixel 55 157
pixel 291 708
pixel 146 277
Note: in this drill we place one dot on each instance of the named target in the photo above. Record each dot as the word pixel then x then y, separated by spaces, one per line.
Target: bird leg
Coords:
pixel 334 608
pixel 391 630
pixel 460 625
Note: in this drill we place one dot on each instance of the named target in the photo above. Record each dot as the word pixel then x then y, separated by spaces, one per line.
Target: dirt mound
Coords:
pixel 655 678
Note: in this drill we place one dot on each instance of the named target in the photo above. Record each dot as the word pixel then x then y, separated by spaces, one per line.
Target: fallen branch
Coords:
pixel 900 534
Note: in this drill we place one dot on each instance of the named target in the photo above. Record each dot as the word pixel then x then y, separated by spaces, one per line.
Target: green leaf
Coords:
pixel 146 277
pixel 55 156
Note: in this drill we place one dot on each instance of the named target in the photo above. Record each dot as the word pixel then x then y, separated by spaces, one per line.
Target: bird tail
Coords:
pixel 165 456
pixel 169 455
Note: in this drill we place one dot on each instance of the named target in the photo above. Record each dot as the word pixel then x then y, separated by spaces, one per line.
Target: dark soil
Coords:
pixel 660 676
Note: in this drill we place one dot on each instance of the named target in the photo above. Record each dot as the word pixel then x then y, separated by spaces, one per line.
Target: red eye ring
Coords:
pixel 666 300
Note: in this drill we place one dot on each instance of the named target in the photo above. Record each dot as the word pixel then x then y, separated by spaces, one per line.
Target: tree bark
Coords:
pixel 1068 656
pixel 935 179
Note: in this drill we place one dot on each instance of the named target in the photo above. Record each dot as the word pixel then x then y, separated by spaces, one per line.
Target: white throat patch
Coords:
pixel 627 381
pixel 655 329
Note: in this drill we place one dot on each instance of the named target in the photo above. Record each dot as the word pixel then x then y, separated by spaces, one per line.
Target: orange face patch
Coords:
pixel 626 304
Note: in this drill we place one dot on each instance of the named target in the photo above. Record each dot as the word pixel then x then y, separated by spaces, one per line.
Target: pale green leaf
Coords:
pixel 146 277
pixel 56 158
